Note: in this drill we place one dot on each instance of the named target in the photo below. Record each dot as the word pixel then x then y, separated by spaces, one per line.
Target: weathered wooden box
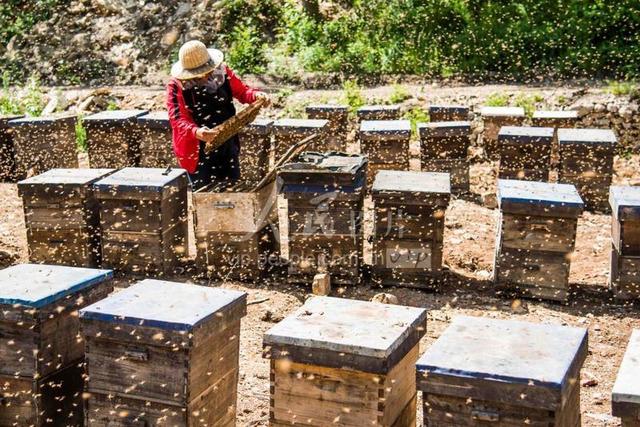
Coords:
pixel 625 397
pixel 255 144
pixel 586 161
pixel 448 113
pixel 443 148
pixel 235 234
pixel 555 119
pixel 536 237
pixel 40 352
pixel 156 140
pixel 163 353
pixel 338 116
pixel 625 235
pixel 493 119
pixel 525 153
pixel 345 363
pixel 113 138
pixel 386 145
pixel 378 112
pixel 325 196
pixel 287 132
pixel 62 217
pixel 43 143
pixel 143 215
pixel 7 150
pixel 503 373
pixel 409 212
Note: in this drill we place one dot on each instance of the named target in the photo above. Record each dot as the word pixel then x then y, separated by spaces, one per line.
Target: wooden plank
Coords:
pixel 448 113
pixel 378 112
pixel 538 233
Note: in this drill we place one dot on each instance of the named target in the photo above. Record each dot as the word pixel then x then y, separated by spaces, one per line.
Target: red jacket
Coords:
pixel 185 143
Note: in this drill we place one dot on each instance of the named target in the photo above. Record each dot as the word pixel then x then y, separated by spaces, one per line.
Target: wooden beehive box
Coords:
pixel 409 213
pixel 536 237
pixel 43 143
pixel 7 150
pixel 525 153
pixel 324 196
pixel 586 161
pixel 443 148
pixel 338 116
pixel 625 397
pixel 40 350
pixel 62 217
pixel 143 215
pixel 113 138
pixel 235 237
pixel 163 353
pixel 448 113
pixel 156 140
pixel 345 363
pixel 286 132
pixel 255 144
pixel 493 119
pixel 624 279
pixel 555 118
pixel 378 112
pixel 386 144
pixel 503 373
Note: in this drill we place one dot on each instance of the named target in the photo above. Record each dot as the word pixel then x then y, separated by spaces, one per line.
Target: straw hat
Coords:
pixel 195 60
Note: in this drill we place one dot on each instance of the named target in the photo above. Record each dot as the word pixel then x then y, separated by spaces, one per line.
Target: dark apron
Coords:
pixel 220 167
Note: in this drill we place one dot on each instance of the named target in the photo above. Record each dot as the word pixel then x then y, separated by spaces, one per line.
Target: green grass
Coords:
pixel 31 103
pixel 528 102
pixel 81 135
pixel 112 105
pixel 415 116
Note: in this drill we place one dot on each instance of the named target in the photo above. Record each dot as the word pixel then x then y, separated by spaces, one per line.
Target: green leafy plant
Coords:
pixel 399 94
pixel 528 102
pixel 81 135
pixel 621 88
pixel 246 51
pixel 497 99
pixel 352 95
pixel 112 105
pixel 415 116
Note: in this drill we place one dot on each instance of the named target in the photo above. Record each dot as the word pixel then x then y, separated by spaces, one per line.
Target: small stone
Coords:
pixel 588 379
pixel 385 298
pixel 599 108
pixel 271 317
pixel 321 284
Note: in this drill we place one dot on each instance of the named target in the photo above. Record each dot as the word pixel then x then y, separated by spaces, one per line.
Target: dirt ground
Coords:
pixel 469 252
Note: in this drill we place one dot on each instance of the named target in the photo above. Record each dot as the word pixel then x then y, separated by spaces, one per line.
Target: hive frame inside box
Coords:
pixel 236 231
pixel 345 260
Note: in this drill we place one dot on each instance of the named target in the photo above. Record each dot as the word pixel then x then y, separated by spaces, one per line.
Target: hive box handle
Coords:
pixel 139 355
pixel 486 416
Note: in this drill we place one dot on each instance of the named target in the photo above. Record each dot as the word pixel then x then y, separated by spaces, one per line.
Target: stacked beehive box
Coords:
pixel 378 112
pixel 625 232
pixel 41 356
pixel 625 398
pixel 338 116
pixel 113 138
pixel 234 234
pixel 325 196
pixel 536 237
pixel 163 353
pixel 448 113
pixel 255 143
pixel 346 363
pixel 386 144
pixel 62 218
pixel 493 119
pixel 443 148
pixel 525 153
pixel 7 149
pixel 287 132
pixel 43 143
pixel 555 119
pixel 156 147
pixel 143 215
pixel 586 161
pixel 503 373
pixel 409 210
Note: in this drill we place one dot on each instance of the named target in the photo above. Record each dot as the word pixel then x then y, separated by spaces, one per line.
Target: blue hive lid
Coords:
pixel 165 305
pixel 114 116
pixel 625 202
pixel 507 351
pixel 139 179
pixel 515 194
pixel 38 285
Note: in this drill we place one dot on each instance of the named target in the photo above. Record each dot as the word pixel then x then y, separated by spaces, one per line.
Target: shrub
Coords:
pixel 497 99
pixel 399 94
pixel 246 51
pixel 621 88
pixel 81 135
pixel 352 96
pixel 415 116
